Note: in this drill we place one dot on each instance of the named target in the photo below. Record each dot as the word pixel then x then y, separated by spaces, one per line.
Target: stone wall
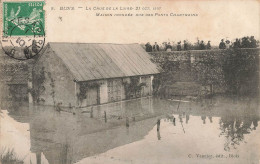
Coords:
pixel 13 78
pixel 216 71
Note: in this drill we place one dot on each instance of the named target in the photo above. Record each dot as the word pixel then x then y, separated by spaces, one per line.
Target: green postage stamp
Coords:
pixel 23 18
pixel 23 34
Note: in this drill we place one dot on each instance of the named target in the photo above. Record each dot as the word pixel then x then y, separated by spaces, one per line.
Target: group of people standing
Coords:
pixel 245 42
pixel 168 47
pixel 201 45
pixel 150 48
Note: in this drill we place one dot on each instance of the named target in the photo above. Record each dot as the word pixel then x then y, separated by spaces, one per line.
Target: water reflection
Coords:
pixel 158 135
pixel 64 138
pixel 234 129
pixel 187 118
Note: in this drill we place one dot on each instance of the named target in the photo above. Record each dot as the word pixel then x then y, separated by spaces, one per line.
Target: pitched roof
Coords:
pixel 91 61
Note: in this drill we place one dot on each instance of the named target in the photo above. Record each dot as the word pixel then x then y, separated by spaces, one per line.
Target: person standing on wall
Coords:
pixel 148 47
pixel 227 44
pixel 179 46
pixel 245 42
pixel 222 44
pixel 202 45
pixel 168 47
pixel 208 45
pixel 253 42
pixel 237 43
pixel 185 45
pixel 155 47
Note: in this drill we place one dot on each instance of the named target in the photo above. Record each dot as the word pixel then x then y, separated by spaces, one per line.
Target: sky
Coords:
pixel 216 20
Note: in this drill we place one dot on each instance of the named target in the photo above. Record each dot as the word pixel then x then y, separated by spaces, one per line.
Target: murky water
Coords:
pixel 147 130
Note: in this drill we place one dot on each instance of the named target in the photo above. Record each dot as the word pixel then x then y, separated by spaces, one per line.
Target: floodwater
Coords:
pixel 147 130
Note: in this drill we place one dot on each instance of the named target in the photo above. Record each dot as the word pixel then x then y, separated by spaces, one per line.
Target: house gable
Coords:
pixel 52 81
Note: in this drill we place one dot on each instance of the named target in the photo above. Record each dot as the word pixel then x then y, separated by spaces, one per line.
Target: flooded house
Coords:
pixel 85 74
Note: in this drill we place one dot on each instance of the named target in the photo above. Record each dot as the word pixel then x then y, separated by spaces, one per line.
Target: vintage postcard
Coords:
pixel 129 82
